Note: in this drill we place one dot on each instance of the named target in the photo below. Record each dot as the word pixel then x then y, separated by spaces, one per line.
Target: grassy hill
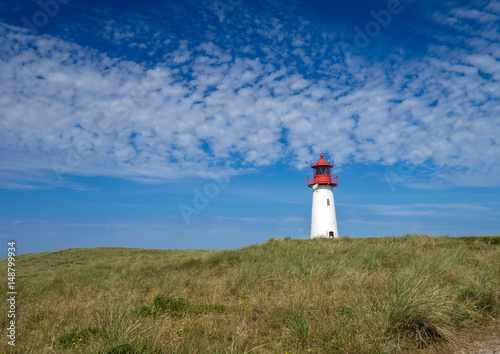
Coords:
pixel 284 296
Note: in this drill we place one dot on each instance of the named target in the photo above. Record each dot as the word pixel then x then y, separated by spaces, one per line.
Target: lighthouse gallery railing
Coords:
pixel 323 179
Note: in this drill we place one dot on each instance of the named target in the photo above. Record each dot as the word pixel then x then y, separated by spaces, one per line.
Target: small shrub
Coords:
pixel 144 311
pixel 125 348
pixel 170 305
pixel 190 263
pixel 196 309
pixel 224 257
pixel 77 336
pixel 163 305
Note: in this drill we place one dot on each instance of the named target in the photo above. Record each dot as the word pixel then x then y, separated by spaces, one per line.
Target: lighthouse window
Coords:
pixel 324 170
pixel 328 202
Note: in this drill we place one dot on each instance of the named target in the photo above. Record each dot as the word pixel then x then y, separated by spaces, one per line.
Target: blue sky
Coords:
pixel 191 124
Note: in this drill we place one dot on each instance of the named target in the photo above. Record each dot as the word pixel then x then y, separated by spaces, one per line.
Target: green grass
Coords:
pixel 378 295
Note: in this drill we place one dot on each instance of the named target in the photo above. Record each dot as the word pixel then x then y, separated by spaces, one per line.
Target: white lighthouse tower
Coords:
pixel 323 216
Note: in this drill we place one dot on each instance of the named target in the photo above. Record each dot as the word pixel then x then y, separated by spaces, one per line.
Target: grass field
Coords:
pixel 378 295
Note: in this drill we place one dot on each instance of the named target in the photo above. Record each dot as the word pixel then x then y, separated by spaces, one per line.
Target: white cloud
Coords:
pixel 473 14
pixel 485 63
pixel 422 209
pixel 205 108
pixel 493 6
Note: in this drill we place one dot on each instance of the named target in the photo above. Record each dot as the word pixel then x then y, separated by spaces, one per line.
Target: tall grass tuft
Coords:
pixel 298 324
pixel 420 310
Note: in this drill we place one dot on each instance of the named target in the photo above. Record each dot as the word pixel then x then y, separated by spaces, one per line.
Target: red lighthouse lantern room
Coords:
pixel 322 174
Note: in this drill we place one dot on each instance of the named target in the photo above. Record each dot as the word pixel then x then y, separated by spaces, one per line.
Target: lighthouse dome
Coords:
pixel 321 162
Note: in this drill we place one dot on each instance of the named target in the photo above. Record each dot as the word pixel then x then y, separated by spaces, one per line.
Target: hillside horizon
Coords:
pixel 252 244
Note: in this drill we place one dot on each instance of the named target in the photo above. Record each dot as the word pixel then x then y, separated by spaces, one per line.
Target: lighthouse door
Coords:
pixel 331 234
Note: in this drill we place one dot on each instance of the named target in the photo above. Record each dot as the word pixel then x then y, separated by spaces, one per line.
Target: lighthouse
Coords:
pixel 323 216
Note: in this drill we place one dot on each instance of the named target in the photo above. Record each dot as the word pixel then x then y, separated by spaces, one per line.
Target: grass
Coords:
pixel 348 295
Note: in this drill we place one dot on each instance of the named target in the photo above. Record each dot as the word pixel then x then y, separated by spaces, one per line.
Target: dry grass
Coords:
pixel 296 296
